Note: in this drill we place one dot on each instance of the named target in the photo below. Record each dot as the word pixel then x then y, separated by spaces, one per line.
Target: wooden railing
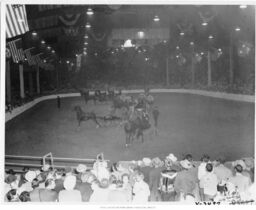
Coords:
pixel 17 163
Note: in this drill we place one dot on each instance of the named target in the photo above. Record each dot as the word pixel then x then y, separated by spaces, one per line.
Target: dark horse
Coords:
pixel 84 116
pixel 134 128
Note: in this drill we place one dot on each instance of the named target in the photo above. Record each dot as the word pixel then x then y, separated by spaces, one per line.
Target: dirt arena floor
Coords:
pixel 187 124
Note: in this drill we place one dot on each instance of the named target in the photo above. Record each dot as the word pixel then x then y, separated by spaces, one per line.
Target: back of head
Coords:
pixel 10 194
pixel 188 157
pixel 209 167
pixel 238 168
pixel 24 196
pixel 221 160
pixel 69 182
pixel 35 183
pixel 205 158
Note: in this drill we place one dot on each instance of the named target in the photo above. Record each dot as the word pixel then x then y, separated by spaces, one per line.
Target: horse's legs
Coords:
pixel 95 120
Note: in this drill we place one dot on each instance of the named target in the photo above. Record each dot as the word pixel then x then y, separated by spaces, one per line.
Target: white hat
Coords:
pixel 185 164
pixel 139 162
pixel 30 175
pixel 46 167
pixel 69 182
pixel 172 157
pixel 146 161
pixel 81 168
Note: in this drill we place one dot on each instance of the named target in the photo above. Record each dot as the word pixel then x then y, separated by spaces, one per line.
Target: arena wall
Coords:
pixel 228 96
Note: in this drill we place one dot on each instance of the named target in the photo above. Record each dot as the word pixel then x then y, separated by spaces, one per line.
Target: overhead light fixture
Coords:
pixel 204 24
pixel 146 59
pixel 237 28
pixel 44 61
pixel 88 25
pixel 67 62
pixel 34 33
pixel 128 43
pixel 96 54
pixel 191 43
pixel 86 43
pixel 219 50
pixel 177 48
pixel 164 41
pixel 210 37
pixel 177 56
pixel 53 51
pixel 202 53
pixel 86 36
pixel 42 42
pixel 85 53
pixel 182 33
pixel 243 6
pixel 141 34
pixel 156 18
pixel 48 47
pixel 89 11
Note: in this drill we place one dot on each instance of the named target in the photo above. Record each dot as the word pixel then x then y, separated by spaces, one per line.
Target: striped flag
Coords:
pixel 17 53
pixel 30 58
pixel 16 20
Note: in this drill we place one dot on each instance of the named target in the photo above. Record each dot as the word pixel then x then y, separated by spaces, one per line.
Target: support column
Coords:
pixel 231 69
pixel 22 92
pixel 209 74
pixel 8 82
pixel 31 89
pixel 37 80
pixel 193 68
pixel 167 72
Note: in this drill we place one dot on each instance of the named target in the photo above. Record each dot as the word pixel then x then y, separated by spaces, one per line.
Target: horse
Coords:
pixel 109 119
pixel 84 116
pixel 155 114
pixel 134 128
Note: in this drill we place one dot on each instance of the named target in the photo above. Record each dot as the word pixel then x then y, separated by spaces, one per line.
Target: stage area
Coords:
pixel 187 124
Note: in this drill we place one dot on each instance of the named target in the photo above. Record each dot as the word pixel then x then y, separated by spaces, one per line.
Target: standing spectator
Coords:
pixel 239 180
pixel 202 171
pixel 127 187
pixel 145 168
pixel 29 177
pixel 154 179
pixel 59 181
pixel 70 194
pixel 84 187
pixel 222 172
pixel 80 169
pixel 141 190
pixel 209 183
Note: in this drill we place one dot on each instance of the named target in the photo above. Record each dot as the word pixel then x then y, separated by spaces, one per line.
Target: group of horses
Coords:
pixel 135 117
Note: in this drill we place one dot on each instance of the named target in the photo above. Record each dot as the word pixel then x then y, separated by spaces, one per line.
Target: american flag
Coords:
pixel 16 20
pixel 16 50
pixel 30 58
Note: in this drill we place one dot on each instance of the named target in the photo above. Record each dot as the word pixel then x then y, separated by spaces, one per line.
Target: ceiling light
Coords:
pixel 86 43
pixel 177 48
pixel 34 33
pixel 156 18
pixel 86 36
pixel 219 50
pixel 96 54
pixel 53 51
pixel 141 34
pixel 89 11
pixel 48 47
pixel 146 59
pixel 237 29
pixel 210 37
pixel 191 43
pixel 202 53
pixel 88 25
pixel 243 6
pixel 42 42
pixel 67 62
pixel 44 61
pixel 204 24
pixel 164 41
pixel 182 33
pixel 85 53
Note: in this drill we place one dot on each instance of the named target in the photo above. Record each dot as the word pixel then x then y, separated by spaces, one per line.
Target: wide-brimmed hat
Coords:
pixel 239 162
pixel 30 175
pixel 146 161
pixel 46 167
pixel 81 168
pixel 157 162
pixel 172 157
pixel 104 183
pixel 185 164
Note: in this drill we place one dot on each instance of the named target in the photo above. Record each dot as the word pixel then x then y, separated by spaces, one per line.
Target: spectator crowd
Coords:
pixel 146 180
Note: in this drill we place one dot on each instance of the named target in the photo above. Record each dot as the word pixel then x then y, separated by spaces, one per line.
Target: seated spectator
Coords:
pixel 29 177
pixel 70 194
pixel 141 190
pixel 209 183
pixel 84 187
pixel 12 196
pixel 100 169
pixel 239 180
pixel 100 191
pixel 59 180
pixel 80 169
pixel 11 182
pixel 46 194
pixel 24 197
pixel 117 193
pixel 154 179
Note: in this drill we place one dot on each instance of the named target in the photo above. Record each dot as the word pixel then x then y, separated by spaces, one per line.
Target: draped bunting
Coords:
pixel 69 19
pixel 99 37
pixel 44 22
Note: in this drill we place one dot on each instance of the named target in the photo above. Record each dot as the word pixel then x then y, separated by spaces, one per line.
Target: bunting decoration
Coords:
pixel 29 57
pixel 98 37
pixel 69 19
pixel 71 31
pixel 16 50
pixel 16 20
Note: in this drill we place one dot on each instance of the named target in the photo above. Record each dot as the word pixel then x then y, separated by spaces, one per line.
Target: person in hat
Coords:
pixel 239 180
pixel 29 177
pixel 85 187
pixel 70 194
pixel 171 163
pixel 145 168
pixel 12 196
pixel 80 169
pixel 24 197
pixel 202 171
pixel 209 182
pixel 141 190
pixel 59 180
pixel 222 172
pixel 154 179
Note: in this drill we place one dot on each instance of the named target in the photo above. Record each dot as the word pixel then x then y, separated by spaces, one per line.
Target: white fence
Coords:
pixel 227 96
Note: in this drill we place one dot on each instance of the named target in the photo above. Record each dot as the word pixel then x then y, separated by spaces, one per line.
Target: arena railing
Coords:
pixel 17 163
